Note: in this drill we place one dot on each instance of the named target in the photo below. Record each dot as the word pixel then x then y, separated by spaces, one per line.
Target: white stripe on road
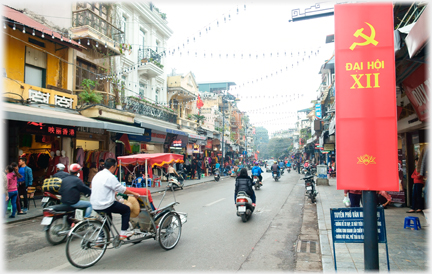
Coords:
pixel 215 202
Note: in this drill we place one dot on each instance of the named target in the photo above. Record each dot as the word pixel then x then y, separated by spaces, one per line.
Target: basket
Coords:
pixel 52 185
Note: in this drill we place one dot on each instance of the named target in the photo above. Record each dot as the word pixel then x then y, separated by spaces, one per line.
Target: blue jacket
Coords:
pixel 288 164
pixel 256 170
pixel 27 175
pixel 281 164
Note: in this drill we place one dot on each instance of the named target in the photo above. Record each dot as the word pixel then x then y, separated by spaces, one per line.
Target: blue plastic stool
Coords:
pixel 415 222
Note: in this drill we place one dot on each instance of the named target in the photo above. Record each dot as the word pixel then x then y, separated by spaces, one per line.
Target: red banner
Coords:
pixel 417 90
pixel 366 132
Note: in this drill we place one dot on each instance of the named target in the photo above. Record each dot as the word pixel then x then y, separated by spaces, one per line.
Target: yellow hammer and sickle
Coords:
pixel 368 39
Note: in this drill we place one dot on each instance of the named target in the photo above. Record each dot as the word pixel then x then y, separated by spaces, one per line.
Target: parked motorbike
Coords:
pixel 275 176
pixel 257 183
pixel 50 199
pixel 216 175
pixel 313 170
pixel 310 187
pixel 58 220
pixel 244 206
pixel 174 183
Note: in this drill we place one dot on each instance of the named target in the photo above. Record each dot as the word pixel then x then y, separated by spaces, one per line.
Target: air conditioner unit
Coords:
pixel 333 78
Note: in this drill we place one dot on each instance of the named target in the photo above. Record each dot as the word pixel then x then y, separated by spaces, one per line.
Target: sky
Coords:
pixel 262 27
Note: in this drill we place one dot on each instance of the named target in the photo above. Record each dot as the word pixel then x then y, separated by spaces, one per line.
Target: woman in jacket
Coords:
pixel 12 188
pixel 417 205
pixel 244 183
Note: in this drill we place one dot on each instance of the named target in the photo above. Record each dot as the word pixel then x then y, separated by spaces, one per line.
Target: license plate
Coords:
pixel 79 214
pixel 241 209
pixel 46 220
pixel 308 188
pixel 45 199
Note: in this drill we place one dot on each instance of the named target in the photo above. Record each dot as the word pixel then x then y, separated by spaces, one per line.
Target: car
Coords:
pixel 269 164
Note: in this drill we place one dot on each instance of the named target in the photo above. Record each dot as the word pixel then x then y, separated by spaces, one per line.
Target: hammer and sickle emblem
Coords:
pixel 368 39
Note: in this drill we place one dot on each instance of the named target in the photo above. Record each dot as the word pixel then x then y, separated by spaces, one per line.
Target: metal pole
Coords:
pixel 371 259
pixel 223 131
pixel 246 142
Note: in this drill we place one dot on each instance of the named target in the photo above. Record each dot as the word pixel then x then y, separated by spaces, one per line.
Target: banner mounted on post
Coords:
pixel 366 139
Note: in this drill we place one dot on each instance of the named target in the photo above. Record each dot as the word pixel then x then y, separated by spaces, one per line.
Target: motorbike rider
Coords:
pixel 104 186
pixel 244 183
pixel 256 171
pixel 173 172
pixel 306 164
pixel 275 167
pixel 60 173
pixel 71 188
pixel 288 165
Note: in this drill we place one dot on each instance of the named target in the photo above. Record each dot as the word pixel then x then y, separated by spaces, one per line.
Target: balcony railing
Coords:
pixel 192 125
pixel 147 53
pixel 139 107
pixel 87 17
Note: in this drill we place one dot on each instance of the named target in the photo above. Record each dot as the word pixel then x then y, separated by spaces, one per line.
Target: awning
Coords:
pixel 151 125
pixel 23 20
pixel 418 35
pixel 48 116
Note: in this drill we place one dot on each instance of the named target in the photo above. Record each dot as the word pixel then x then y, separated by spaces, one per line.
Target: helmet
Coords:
pixel 60 166
pixel 75 168
pixel 256 163
pixel 275 162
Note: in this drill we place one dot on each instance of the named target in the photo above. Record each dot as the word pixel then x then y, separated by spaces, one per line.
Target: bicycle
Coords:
pixel 88 240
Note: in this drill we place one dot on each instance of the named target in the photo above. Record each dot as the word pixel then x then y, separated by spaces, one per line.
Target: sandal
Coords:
pixel 418 211
pixel 411 211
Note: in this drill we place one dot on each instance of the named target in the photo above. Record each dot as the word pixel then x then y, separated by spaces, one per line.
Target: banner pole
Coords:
pixel 371 259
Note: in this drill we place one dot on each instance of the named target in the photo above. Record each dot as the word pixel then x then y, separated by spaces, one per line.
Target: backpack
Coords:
pixel 52 185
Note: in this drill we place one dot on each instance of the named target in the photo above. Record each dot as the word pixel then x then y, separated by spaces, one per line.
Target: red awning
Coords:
pixel 155 159
pixel 22 19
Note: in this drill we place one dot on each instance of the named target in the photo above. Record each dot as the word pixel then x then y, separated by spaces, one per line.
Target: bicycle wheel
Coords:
pixel 169 231
pixel 83 248
pixel 52 233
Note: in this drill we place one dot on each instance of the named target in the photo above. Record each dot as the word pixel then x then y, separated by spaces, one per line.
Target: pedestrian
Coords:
pixel 18 203
pixel 199 168
pixel 92 172
pixel 383 198
pixel 12 188
pixel 298 165
pixel 101 164
pixel 193 168
pixel 25 181
pixel 354 196
pixel 5 188
pixel 417 205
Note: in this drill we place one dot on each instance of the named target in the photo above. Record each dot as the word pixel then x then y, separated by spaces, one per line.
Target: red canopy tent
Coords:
pixel 150 160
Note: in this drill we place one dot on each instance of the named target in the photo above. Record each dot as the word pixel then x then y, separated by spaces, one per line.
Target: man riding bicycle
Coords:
pixel 104 187
pixel 256 171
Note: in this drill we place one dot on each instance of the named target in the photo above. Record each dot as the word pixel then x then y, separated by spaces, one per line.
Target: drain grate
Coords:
pixel 306 246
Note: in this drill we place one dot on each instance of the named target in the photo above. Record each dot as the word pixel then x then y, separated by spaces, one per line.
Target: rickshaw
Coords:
pixel 89 239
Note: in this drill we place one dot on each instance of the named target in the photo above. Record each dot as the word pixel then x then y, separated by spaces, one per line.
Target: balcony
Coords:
pixel 135 105
pixel 186 123
pixel 89 25
pixel 16 91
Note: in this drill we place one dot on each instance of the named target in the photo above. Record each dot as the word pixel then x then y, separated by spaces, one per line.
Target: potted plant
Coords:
pixel 118 89
pixel 89 96
pixel 189 116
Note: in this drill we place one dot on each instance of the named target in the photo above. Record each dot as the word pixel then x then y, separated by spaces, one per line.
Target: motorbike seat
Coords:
pixel 308 177
pixel 61 208
pixel 242 193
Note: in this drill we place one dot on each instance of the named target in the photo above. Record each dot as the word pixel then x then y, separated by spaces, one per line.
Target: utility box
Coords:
pixel 322 175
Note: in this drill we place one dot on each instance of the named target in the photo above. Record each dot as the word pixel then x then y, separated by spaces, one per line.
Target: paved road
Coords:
pixel 213 238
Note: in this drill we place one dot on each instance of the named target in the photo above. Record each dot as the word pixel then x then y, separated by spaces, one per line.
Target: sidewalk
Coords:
pixel 37 212
pixel 407 248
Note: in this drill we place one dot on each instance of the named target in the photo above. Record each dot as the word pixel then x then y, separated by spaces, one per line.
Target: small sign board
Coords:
pixel 347 227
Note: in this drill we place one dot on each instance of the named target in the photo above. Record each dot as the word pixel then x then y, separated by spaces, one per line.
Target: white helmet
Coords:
pixel 60 166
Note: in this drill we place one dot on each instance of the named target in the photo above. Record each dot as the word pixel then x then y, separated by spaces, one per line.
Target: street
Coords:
pixel 213 238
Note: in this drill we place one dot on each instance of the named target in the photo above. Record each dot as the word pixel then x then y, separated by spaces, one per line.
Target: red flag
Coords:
pixel 125 141
pixel 200 103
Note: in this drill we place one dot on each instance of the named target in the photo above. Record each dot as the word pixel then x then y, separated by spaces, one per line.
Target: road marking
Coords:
pixel 215 202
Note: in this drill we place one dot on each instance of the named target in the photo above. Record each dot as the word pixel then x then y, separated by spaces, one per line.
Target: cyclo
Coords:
pixel 84 246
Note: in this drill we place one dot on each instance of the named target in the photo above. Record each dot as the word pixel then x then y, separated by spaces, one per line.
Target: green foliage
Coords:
pixel 89 95
pixel 189 116
pixel 199 117
pixel 276 148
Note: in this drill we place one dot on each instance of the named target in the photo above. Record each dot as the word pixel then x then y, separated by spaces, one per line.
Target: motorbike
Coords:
pixel 174 183
pixel 275 176
pixel 289 169
pixel 313 170
pixel 58 221
pixel 244 206
pixel 282 170
pixel 50 199
pixel 216 175
pixel 257 183
pixel 310 187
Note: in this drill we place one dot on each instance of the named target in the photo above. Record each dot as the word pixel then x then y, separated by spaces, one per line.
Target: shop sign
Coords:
pixel 209 144
pixel 173 131
pixel 198 137
pixel 189 149
pixel 366 101
pixel 318 111
pixel 417 89
pixel 177 143
pixel 329 147
pixel 48 129
pixel 196 148
pixel 158 137
pixel 91 130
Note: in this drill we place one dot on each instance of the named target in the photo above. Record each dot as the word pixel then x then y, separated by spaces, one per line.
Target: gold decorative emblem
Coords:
pixel 368 39
pixel 366 159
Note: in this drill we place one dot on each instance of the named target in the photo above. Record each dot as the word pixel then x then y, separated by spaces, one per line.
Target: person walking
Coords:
pixel 25 181
pixel 193 168
pixel 354 196
pixel 18 203
pixel 298 165
pixel 199 168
